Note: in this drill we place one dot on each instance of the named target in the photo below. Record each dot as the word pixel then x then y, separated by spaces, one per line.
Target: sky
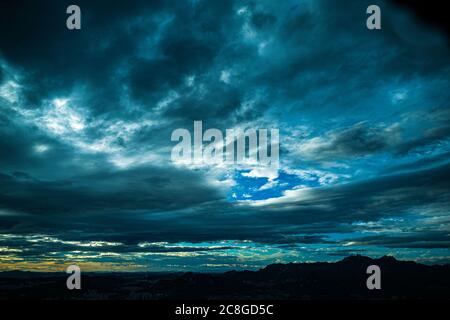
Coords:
pixel 86 118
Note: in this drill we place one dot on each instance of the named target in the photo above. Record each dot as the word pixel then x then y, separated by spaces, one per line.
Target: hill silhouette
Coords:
pixel 345 279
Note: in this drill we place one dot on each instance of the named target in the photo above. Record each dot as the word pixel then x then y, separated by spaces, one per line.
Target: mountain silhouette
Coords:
pixel 345 279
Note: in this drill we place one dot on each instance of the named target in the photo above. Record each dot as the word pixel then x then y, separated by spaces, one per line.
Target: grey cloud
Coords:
pixel 419 240
pixel 355 141
pixel 151 189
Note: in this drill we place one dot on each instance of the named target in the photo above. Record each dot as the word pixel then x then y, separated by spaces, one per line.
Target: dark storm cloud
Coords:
pixel 59 58
pixel 146 188
pixel 358 140
pixel 110 42
pixel 382 197
pixel 419 164
pixel 18 143
pixel 38 26
pixel 430 137
pixel 418 240
pixel 138 70
pixel 387 197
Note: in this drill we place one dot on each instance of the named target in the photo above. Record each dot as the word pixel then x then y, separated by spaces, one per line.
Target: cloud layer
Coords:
pixel 86 119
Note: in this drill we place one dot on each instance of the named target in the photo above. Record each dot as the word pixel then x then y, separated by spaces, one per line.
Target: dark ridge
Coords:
pixel 345 279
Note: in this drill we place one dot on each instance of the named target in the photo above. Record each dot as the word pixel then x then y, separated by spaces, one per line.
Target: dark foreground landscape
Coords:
pixel 345 279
